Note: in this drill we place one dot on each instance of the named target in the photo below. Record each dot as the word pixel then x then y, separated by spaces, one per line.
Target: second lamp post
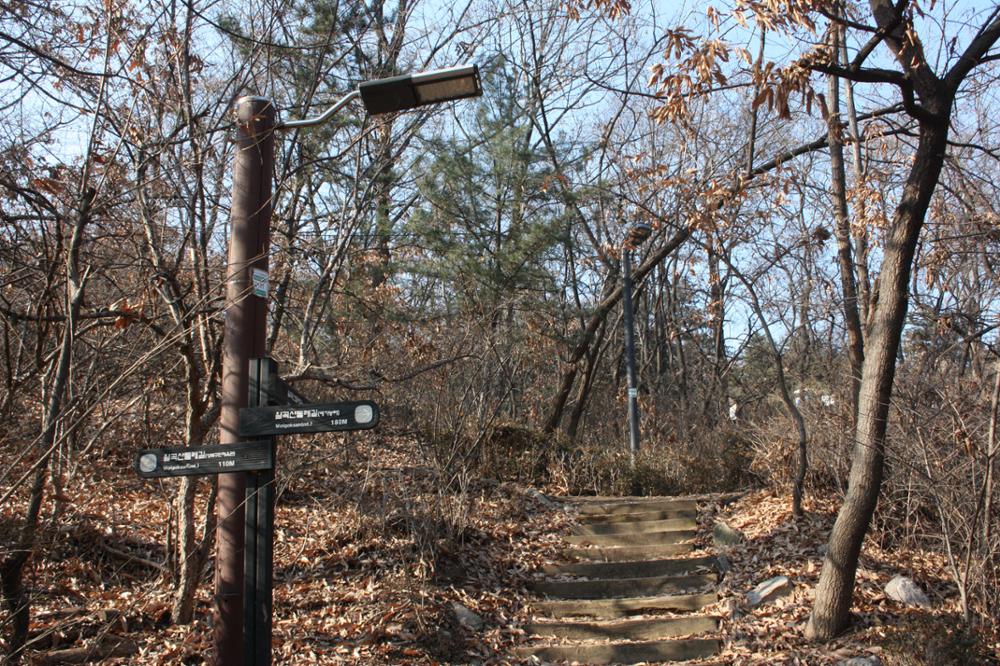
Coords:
pixel 638 233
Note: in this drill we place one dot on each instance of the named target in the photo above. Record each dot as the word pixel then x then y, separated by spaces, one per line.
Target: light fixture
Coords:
pixel 638 233
pixel 409 91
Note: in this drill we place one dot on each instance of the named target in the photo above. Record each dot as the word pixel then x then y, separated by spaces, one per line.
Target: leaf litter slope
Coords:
pixel 370 554
pixel 777 545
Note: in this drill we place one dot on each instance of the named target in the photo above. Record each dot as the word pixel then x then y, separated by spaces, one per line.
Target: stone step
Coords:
pixel 628 553
pixel 633 630
pixel 616 588
pixel 612 608
pixel 632 569
pixel 669 524
pixel 625 653
pixel 664 514
pixel 641 539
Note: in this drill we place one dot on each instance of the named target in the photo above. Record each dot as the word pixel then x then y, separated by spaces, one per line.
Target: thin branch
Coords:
pixel 975 52
pixel 818 144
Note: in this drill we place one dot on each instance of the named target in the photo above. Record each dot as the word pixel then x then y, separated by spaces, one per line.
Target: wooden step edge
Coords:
pixel 722 497
pixel 638 527
pixel 633 568
pixel 623 607
pixel 643 629
pixel 625 653
pixel 618 588
pixel 635 539
pixel 643 516
pixel 630 507
pixel 621 499
pixel 625 553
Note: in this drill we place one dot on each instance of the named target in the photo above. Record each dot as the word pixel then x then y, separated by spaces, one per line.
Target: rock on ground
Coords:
pixel 542 499
pixel 724 535
pixel 466 617
pixel 861 661
pixel 769 590
pixel 905 591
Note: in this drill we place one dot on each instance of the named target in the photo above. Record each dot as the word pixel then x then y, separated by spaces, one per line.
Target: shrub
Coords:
pixel 929 640
pixel 715 463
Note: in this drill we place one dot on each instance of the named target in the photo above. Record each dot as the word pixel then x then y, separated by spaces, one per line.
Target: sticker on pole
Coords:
pixel 260 282
pixel 633 393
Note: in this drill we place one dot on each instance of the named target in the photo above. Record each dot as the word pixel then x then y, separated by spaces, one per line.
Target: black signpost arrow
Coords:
pixel 313 417
pixel 196 460
pixel 290 395
pixel 275 409
pixel 277 391
pixel 270 414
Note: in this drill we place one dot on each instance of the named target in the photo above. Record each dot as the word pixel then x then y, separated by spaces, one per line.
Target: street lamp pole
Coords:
pixel 637 234
pixel 633 391
pixel 246 316
pixel 245 330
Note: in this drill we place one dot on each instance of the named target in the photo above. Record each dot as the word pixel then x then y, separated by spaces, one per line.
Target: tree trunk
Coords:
pixel 17 603
pixel 838 192
pixel 717 318
pixel 583 395
pixel 863 281
pixel 190 564
pixel 182 610
pixel 15 599
pixel 836 584
pixel 612 294
pixel 991 454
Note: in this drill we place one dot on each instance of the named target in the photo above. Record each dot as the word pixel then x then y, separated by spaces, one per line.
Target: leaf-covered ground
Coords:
pixel 370 555
pixel 778 545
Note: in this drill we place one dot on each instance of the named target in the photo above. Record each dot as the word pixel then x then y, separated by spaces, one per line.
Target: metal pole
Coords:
pixel 321 118
pixel 258 561
pixel 633 391
pixel 246 323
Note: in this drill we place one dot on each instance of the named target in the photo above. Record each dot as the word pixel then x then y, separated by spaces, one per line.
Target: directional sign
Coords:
pixel 314 417
pixel 194 460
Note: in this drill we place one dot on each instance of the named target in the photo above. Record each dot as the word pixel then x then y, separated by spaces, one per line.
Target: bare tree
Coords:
pixel 929 99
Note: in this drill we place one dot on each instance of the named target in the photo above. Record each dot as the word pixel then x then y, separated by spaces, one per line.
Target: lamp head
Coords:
pixel 638 233
pixel 409 91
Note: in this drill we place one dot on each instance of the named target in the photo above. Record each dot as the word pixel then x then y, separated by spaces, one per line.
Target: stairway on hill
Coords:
pixel 630 592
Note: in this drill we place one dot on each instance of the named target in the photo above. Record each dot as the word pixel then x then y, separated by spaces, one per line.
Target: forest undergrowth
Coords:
pixel 370 553
pixel 375 545
pixel 777 544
